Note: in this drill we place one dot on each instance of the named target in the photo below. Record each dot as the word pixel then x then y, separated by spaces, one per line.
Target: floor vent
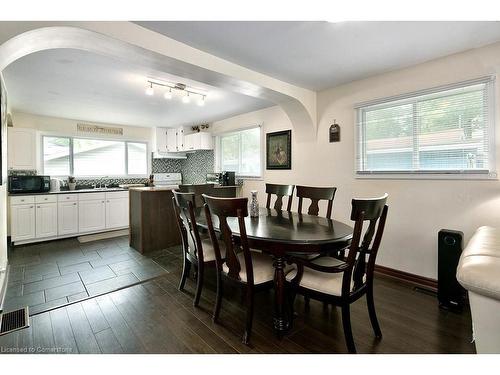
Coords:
pixel 14 320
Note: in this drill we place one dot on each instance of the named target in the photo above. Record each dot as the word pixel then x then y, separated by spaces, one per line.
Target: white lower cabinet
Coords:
pixel 67 215
pixel 116 212
pixel 46 220
pixel 22 222
pixel 91 215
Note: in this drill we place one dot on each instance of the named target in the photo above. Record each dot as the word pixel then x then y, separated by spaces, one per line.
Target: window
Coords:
pixel 93 157
pixel 444 130
pixel 240 152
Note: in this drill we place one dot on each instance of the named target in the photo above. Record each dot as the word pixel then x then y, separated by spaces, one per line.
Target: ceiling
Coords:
pixel 85 86
pixel 319 55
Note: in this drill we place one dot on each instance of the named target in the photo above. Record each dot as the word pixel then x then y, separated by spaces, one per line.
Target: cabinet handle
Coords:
pixel 102 201
pixel 46 199
pixel 22 200
pixel 37 206
pixel 74 204
pixel 31 206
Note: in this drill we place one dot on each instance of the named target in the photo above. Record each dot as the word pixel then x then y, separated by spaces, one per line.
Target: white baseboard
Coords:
pixel 102 236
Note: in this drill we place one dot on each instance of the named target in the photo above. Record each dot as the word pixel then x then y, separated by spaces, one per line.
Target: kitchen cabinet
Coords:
pixel 91 212
pixel 117 208
pixel 22 222
pixel 198 141
pixel 46 220
pixel 172 140
pixel 160 140
pixel 67 214
pixel 21 150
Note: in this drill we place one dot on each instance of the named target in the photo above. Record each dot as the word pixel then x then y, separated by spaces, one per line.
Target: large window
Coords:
pixel 440 131
pixel 64 156
pixel 241 152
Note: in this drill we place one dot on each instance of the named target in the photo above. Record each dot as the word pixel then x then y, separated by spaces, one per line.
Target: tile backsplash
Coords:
pixel 193 169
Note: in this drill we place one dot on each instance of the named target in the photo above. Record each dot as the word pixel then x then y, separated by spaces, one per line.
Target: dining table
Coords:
pixel 282 234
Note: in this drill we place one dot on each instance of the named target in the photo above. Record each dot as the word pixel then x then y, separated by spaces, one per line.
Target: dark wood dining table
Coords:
pixel 282 233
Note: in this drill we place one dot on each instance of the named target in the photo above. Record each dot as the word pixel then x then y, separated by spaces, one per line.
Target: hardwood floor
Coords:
pixel 154 317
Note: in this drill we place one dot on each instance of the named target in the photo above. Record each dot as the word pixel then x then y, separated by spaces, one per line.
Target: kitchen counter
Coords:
pixel 70 192
pixel 153 189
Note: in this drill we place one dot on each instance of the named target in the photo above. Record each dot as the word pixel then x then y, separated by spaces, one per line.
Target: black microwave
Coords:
pixel 29 184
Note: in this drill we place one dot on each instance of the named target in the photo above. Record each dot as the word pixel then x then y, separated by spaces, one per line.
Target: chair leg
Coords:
pixel 346 322
pixel 218 297
pixel 371 312
pixel 199 284
pixel 249 320
pixel 185 273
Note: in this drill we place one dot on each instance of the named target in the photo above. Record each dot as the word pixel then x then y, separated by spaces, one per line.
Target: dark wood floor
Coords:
pixel 155 317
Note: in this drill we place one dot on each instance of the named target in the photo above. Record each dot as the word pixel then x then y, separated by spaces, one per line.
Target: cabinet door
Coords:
pixel 21 148
pixel 91 215
pixel 180 139
pixel 206 141
pixel 46 220
pixel 117 213
pixel 22 222
pixel 67 217
pixel 171 140
pixel 161 139
pixel 189 142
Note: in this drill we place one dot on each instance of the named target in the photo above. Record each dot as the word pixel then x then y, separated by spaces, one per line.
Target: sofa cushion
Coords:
pixel 479 267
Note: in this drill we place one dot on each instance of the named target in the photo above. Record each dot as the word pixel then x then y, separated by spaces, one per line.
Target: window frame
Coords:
pixel 218 150
pixel 490 174
pixel 71 155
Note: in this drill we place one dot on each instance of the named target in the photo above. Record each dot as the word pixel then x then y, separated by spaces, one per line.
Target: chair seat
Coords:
pixel 263 270
pixel 208 250
pixel 328 283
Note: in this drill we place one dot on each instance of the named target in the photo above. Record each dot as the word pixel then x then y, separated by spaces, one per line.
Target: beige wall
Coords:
pixel 418 208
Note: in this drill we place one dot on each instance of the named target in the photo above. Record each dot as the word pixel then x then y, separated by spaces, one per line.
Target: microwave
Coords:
pixel 29 184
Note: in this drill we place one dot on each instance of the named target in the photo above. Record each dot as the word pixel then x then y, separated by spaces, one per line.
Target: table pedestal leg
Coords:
pixel 281 319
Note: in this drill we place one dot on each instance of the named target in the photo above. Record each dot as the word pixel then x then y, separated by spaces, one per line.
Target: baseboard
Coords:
pixel 4 278
pixel 421 281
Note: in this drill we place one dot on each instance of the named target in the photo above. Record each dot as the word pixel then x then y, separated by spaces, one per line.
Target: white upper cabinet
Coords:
pixel 160 140
pixel 172 140
pixel 21 148
pixel 198 141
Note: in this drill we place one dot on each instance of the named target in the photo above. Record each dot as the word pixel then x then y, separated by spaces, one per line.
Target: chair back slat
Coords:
pixel 184 204
pixel 375 212
pixel 225 209
pixel 280 191
pixel 316 194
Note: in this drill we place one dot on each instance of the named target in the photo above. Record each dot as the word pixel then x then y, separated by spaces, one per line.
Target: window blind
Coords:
pixel 441 130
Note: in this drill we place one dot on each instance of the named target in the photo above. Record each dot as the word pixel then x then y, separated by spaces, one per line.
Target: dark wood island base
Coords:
pixel 152 219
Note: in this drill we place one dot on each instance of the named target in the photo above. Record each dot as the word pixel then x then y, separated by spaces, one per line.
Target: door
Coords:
pixel 22 222
pixel 46 220
pixel 91 215
pixel 21 148
pixel 172 140
pixel 117 213
pixel 67 213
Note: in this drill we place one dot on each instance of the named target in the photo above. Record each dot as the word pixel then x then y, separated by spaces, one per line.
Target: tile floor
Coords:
pixel 50 274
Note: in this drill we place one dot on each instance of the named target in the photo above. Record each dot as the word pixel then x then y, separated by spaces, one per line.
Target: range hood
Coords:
pixel 169 155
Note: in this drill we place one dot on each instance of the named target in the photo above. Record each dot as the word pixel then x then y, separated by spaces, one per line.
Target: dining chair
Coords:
pixel 280 191
pixel 197 250
pixel 341 283
pixel 248 269
pixel 315 194
pixel 198 190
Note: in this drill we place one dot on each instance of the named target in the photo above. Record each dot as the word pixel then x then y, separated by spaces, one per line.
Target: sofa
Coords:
pixel 478 272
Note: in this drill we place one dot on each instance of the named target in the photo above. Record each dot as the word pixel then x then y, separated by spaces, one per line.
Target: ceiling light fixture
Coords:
pixel 150 90
pixel 168 94
pixel 187 92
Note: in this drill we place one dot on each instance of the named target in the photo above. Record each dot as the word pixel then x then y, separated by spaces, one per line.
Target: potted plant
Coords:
pixel 71 183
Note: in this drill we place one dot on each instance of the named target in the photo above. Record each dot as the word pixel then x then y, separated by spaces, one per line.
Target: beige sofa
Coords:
pixel 479 272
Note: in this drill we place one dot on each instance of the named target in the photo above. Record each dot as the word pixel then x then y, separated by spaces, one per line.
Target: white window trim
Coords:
pixel 433 175
pixel 217 163
pixel 72 136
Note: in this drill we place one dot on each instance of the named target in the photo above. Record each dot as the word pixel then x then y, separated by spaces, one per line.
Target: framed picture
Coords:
pixel 3 130
pixel 279 150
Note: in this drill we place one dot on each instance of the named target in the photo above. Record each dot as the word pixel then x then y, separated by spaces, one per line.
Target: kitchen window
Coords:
pixel 241 152
pixel 442 131
pixel 64 156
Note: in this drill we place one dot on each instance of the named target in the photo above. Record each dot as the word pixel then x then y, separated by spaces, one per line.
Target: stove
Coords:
pixel 171 180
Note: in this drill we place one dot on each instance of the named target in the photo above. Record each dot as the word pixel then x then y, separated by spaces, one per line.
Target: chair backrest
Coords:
pixel 197 190
pixel 224 208
pixel 184 206
pixel 280 191
pixel 315 194
pixel 373 211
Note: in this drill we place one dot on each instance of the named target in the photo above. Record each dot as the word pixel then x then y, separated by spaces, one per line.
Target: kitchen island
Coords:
pixel 153 224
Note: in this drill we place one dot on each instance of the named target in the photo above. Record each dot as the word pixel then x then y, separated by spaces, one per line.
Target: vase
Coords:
pixel 72 185
pixel 254 205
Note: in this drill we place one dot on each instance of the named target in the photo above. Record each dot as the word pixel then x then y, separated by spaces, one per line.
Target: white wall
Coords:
pixel 3 218
pixel 418 208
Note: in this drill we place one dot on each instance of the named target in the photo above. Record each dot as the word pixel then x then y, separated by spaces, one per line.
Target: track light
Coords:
pixel 201 101
pixel 168 94
pixel 150 91
pixel 186 99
